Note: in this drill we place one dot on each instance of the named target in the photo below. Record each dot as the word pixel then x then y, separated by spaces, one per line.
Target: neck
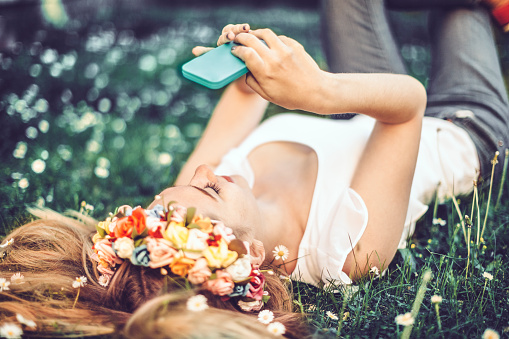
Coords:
pixel 283 223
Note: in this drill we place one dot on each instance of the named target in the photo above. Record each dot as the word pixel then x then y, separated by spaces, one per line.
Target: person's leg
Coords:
pixel 427 4
pixel 357 37
pixel 466 84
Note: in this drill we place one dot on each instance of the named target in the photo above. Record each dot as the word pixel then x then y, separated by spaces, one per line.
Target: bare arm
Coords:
pixel 237 113
pixel 286 75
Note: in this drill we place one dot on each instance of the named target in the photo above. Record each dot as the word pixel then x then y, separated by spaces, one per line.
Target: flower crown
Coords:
pixel 183 244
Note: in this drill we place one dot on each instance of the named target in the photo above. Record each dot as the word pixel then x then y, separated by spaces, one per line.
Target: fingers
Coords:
pixel 252 59
pixel 290 42
pixel 199 50
pixel 267 35
pixel 253 83
pixel 230 31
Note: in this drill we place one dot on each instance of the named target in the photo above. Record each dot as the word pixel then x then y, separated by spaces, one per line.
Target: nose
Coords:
pixel 202 176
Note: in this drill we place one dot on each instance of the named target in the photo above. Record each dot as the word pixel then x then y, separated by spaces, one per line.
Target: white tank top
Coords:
pixel 338 215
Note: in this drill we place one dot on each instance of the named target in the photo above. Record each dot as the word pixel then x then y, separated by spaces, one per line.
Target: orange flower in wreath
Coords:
pixel 181 266
pixel 124 227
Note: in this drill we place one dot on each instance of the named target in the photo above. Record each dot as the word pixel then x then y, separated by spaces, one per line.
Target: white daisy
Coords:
pixel 197 303
pixel 10 331
pixel 4 284
pixel 18 278
pixel 281 252
pixel 104 280
pixel 439 221
pixel 405 319
pixel 9 242
pixel 265 317
pixel 436 299
pixel 79 282
pixel 490 334
pixel 375 271
pixel 25 321
pixel 487 275
pixel 331 315
pixel 276 328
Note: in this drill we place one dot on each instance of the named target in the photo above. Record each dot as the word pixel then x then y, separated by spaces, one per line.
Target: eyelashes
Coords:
pixel 214 186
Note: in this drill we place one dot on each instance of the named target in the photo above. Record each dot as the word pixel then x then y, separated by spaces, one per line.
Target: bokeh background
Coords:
pixel 93 106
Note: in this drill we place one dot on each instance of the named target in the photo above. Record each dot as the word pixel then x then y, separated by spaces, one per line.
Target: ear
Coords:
pixel 257 252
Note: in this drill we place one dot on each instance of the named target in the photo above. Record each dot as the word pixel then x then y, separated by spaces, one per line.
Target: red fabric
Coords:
pixel 501 14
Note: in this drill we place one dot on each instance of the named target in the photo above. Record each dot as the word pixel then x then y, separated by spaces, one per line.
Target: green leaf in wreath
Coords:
pixel 190 215
pixel 101 231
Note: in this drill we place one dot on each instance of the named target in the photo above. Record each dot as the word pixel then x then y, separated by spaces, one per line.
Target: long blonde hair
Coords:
pixel 52 253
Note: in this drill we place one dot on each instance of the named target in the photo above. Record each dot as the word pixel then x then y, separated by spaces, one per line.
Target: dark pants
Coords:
pixel 465 84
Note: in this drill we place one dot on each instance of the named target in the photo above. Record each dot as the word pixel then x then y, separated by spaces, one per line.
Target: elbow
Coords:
pixel 419 98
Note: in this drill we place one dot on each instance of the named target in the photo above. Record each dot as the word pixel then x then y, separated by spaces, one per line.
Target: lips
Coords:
pixel 227 178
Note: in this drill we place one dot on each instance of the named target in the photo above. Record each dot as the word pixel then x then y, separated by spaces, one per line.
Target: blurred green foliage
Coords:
pixel 93 106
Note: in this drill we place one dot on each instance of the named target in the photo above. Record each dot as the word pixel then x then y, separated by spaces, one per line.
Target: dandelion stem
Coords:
pixel 468 246
pixel 460 215
pixel 426 277
pixel 437 310
pixel 494 163
pixel 341 318
pixel 504 171
pixel 476 195
pixel 77 296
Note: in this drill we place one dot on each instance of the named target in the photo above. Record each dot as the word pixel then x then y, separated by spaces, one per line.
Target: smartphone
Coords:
pixel 216 68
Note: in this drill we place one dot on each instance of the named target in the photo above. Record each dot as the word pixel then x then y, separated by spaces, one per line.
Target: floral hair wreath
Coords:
pixel 183 244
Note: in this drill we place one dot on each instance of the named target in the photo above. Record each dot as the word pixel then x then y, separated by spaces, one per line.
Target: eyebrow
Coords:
pixel 205 192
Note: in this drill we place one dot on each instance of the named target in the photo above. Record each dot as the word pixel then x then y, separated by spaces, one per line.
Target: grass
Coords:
pixel 85 117
pixel 472 301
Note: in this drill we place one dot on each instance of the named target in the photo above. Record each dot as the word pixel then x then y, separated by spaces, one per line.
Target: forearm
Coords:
pixel 389 98
pixel 235 116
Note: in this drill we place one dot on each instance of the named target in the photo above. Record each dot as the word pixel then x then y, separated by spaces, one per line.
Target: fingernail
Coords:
pixel 244 27
pixel 233 48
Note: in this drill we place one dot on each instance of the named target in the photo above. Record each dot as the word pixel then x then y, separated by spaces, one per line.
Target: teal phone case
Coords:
pixel 215 69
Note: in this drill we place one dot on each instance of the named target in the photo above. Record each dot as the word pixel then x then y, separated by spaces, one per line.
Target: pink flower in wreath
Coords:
pixel 161 252
pixel 225 232
pixel 179 214
pixel 256 287
pixel 106 253
pixel 222 285
pixel 199 273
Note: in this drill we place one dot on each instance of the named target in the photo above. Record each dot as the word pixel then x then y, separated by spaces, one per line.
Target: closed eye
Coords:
pixel 214 187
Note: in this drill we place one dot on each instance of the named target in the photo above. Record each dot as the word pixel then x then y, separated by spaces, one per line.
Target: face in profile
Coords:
pixel 224 198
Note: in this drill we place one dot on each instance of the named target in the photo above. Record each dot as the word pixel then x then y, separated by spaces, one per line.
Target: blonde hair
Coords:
pixel 167 317
pixel 52 253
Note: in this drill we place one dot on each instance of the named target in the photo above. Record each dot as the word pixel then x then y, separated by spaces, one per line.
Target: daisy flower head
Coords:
pixel 103 280
pixel 490 334
pixel 487 276
pixel 197 303
pixel 25 321
pixel 265 317
pixel 18 278
pixel 436 299
pixel 281 252
pixel 9 242
pixel 439 221
pixel 276 328
pixel 331 315
pixel 375 271
pixel 4 284
pixel 10 331
pixel 79 282
pixel 405 319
